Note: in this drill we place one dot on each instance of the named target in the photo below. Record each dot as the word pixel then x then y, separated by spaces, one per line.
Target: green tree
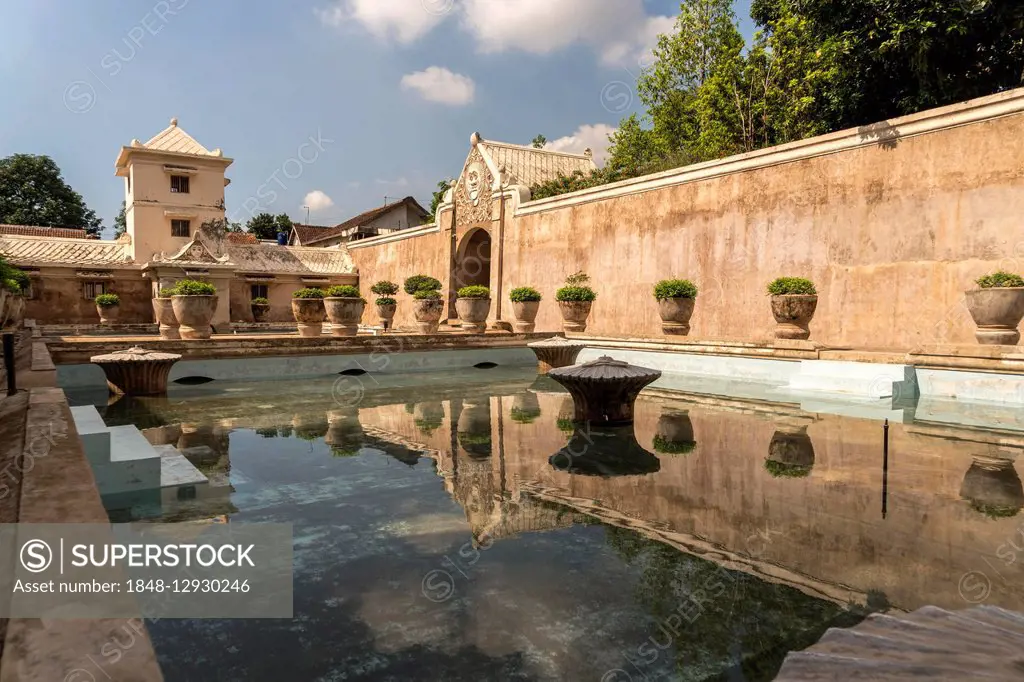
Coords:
pixel 33 192
pixel 120 222
pixel 283 224
pixel 539 142
pixel 262 226
pixel 438 197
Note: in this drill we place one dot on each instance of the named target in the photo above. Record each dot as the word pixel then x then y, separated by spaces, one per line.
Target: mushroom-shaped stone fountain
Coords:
pixel 604 390
pixel 606 452
pixel 557 351
pixel 136 371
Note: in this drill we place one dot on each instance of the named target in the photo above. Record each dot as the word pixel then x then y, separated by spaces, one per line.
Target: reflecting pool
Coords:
pixel 460 527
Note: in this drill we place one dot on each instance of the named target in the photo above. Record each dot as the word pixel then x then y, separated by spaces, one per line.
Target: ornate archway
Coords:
pixel 472 262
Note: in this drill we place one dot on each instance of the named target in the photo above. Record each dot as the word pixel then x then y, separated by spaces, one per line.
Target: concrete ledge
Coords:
pixel 59 488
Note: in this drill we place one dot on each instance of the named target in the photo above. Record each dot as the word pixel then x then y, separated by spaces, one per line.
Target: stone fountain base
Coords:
pixel 136 371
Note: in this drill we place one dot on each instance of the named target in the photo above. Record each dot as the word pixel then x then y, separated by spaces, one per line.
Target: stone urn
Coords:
pixel 674 434
pixel 344 432
pixel 11 308
pixel 344 314
pixel 675 315
pixel 194 314
pixel 790 454
pixel 525 313
pixel 163 311
pixel 474 429
pixel 309 316
pixel 997 312
pixel 259 311
pixel 604 390
pixel 993 487
pixel 109 314
pixel 428 314
pixel 428 417
pixel 574 315
pixel 136 371
pixel 386 314
pixel 473 314
pixel 525 407
pixel 793 313
pixel 16 309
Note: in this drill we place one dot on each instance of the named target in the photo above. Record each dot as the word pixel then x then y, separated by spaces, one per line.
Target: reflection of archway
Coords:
pixel 472 262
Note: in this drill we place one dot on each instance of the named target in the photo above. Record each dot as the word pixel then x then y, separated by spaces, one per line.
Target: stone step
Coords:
pixel 93 433
pixel 176 470
pixel 982 643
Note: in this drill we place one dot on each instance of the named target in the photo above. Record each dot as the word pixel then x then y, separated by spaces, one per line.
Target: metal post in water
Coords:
pixel 885 467
pixel 12 381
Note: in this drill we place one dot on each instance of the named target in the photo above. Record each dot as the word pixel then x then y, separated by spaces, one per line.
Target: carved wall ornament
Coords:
pixel 473 193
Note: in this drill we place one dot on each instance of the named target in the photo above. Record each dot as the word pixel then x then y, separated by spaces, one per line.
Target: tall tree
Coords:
pixel 262 226
pixel 438 197
pixel 33 192
pixel 539 142
pixel 121 221
pixel 283 223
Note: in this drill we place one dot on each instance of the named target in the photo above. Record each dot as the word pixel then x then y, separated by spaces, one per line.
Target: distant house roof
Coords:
pixel 31 250
pixel 36 231
pixel 530 166
pixel 367 217
pixel 242 238
pixel 303 234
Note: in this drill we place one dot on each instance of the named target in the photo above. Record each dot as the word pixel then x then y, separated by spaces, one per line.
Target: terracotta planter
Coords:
pixel 163 311
pixel 428 314
pixel 790 454
pixel 15 310
pixel 344 314
pixel 108 314
pixel 526 315
pixel 386 314
pixel 194 314
pixel 260 311
pixel 997 312
pixel 574 315
pixel 993 487
pixel 473 313
pixel 793 313
pixel 674 435
pixel 309 315
pixel 675 315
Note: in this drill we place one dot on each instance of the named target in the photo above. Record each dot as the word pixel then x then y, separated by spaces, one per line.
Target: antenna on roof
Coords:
pixel 386 197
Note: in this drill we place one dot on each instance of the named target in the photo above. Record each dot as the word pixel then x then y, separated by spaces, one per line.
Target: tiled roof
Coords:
pixel 367 217
pixel 289 259
pixel 28 250
pixel 174 139
pixel 34 231
pixel 306 233
pixel 531 166
pixel 242 238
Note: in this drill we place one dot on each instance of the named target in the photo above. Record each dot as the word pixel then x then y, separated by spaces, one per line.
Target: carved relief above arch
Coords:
pixel 473 194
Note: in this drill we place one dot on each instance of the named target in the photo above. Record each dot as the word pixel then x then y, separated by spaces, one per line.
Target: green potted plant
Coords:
pixel 163 311
pixel 473 303
pixel 386 303
pixel 794 300
pixel 109 307
pixel 525 304
pixel 676 298
pixel 997 306
pixel 427 304
pixel 260 307
pixel 574 302
pixel 309 312
pixel 525 407
pixel 993 487
pixel 194 304
pixel 344 306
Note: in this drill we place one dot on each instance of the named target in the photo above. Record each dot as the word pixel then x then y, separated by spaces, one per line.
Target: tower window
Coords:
pixel 181 228
pixel 179 184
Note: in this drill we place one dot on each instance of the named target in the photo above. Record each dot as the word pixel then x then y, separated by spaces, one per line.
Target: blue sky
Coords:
pixel 392 89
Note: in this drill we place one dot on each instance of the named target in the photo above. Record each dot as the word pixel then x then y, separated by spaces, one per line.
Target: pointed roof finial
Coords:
pixel 588 152
pixel 174 122
pixel 475 139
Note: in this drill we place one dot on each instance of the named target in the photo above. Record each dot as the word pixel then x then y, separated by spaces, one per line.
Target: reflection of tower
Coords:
pixel 344 432
pixel 993 487
pixel 473 481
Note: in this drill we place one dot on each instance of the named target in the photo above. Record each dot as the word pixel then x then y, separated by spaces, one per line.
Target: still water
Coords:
pixel 457 527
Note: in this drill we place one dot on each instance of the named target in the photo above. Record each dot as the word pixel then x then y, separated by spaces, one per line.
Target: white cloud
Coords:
pixel 620 31
pixel 438 84
pixel 317 201
pixel 401 20
pixel 593 137
pixel 397 182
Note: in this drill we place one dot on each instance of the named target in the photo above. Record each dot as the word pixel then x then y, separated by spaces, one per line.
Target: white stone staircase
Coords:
pixel 980 643
pixel 123 461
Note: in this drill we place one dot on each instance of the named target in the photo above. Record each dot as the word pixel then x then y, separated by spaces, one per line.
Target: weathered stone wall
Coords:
pixel 58 297
pixel 893 222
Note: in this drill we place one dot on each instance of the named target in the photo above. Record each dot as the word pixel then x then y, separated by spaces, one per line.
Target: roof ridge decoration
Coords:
pixel 175 139
pixel 195 251
pixel 513 165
